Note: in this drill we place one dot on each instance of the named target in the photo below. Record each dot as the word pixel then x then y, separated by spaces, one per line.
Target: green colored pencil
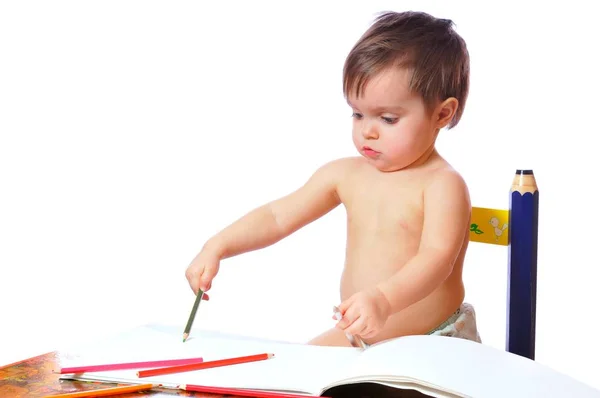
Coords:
pixel 190 321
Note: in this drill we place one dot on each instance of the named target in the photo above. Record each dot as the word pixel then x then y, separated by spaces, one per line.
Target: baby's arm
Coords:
pixel 269 223
pixel 447 210
pixel 275 220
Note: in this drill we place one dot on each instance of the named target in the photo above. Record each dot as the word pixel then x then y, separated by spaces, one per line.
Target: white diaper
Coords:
pixel 461 324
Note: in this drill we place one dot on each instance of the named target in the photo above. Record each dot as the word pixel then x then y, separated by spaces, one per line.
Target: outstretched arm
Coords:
pixel 275 220
pixel 268 224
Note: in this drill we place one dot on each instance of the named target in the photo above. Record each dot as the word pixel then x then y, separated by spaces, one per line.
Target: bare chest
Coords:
pixel 383 205
pixel 384 225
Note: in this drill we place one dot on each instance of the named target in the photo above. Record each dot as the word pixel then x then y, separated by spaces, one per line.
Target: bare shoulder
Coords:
pixel 343 164
pixel 324 183
pixel 449 184
pixel 336 170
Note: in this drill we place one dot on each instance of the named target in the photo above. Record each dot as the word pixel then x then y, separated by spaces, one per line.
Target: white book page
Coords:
pixel 464 368
pixel 295 367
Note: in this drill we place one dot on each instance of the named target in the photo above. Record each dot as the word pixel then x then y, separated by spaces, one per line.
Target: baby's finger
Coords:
pixel 207 277
pixel 344 305
pixel 356 327
pixel 350 318
pixel 342 324
pixel 366 329
pixel 193 279
pixel 345 321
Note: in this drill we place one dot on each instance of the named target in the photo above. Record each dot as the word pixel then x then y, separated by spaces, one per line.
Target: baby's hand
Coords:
pixel 202 270
pixel 364 313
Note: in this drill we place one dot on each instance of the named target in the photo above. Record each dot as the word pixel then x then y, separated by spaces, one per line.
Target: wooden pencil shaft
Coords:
pixel 190 321
pixel 203 365
pixel 129 365
pixel 241 392
pixel 105 391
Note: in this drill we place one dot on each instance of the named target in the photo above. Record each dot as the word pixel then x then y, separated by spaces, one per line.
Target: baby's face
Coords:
pixel 392 127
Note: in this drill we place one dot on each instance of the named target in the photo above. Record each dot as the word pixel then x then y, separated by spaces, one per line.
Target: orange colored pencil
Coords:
pixel 203 365
pixel 106 391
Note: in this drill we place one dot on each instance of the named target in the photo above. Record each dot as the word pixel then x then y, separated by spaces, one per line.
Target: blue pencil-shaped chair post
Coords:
pixel 522 264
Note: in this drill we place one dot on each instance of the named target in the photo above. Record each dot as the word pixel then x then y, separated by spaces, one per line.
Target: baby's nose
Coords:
pixel 370 131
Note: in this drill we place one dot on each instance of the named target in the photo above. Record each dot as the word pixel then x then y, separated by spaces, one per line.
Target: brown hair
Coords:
pixel 428 46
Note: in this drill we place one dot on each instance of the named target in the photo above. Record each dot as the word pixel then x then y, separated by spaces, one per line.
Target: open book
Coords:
pixel 432 365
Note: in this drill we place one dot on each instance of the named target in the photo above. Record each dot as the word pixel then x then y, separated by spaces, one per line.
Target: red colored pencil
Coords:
pixel 242 392
pixel 130 365
pixel 203 365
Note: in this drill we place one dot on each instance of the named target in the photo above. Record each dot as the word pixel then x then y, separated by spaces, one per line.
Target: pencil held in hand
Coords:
pixel 203 365
pixel 190 321
pixel 354 340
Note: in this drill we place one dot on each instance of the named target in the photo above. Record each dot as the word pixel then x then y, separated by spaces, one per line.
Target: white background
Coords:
pixel 133 130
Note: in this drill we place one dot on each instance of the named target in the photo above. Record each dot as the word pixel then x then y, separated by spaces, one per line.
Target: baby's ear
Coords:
pixel 445 112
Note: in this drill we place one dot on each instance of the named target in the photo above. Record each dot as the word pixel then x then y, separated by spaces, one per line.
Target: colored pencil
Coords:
pixel 354 340
pixel 522 270
pixel 203 365
pixel 190 321
pixel 242 392
pixel 106 391
pixel 129 365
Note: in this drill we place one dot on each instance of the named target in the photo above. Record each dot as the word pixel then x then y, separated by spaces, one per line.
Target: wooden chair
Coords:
pixel 516 228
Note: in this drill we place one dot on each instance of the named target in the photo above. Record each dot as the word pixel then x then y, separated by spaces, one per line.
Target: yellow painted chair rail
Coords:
pixel 489 226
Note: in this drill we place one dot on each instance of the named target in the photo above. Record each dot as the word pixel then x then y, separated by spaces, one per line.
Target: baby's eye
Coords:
pixel 389 120
pixel 356 115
